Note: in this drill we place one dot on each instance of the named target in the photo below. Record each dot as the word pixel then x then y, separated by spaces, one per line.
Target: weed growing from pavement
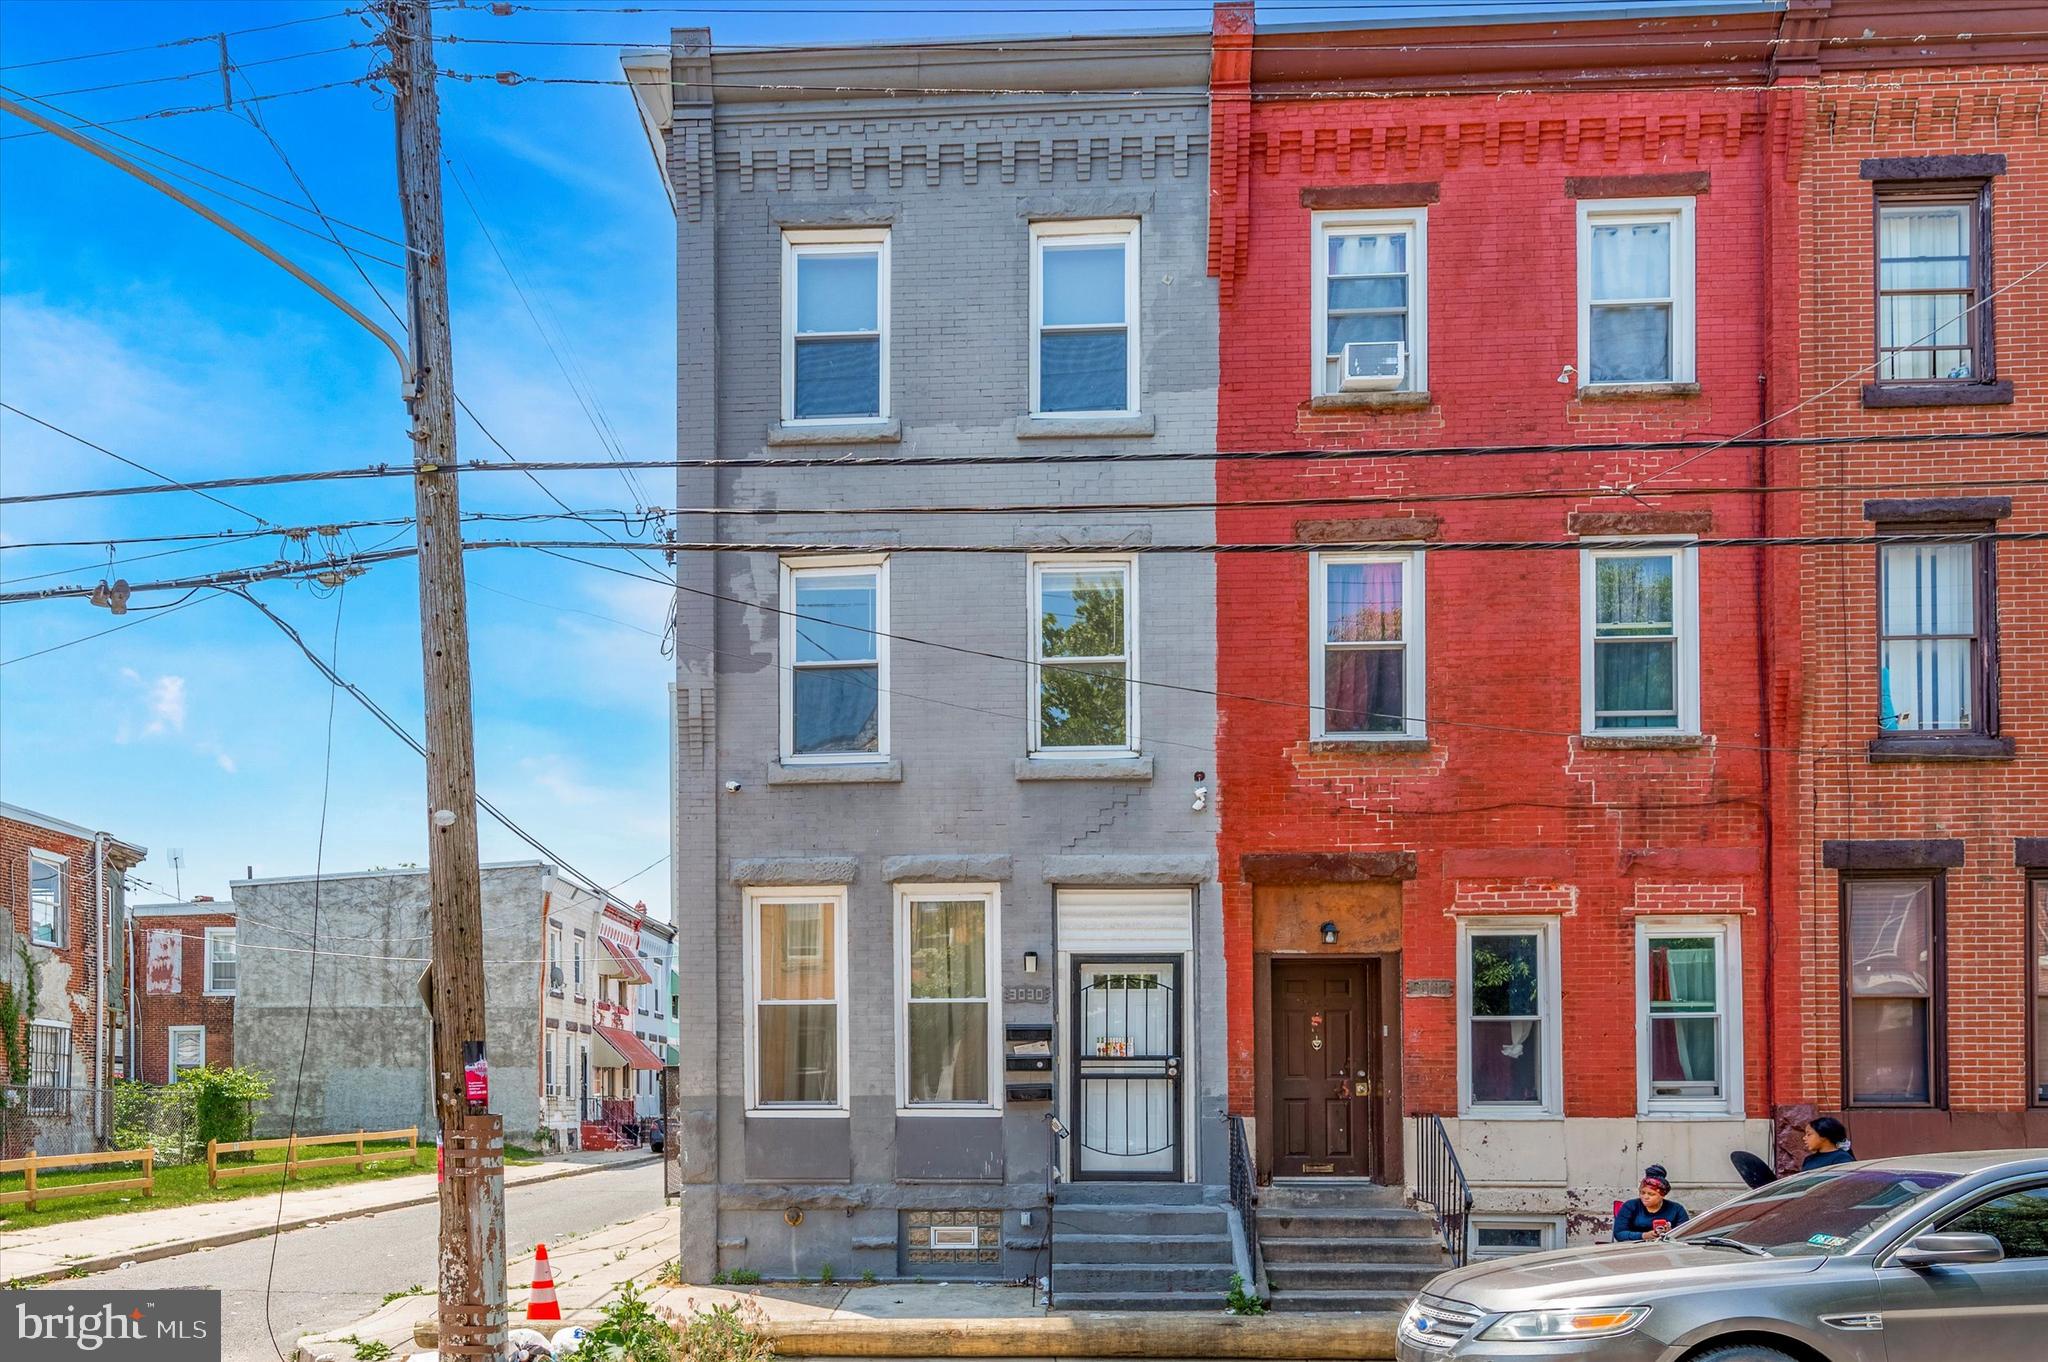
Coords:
pixel 629 1330
pixel 670 1273
pixel 867 1278
pixel 727 1333
pixel 827 1275
pixel 414 1290
pixel 1240 1301
pixel 743 1276
pixel 369 1350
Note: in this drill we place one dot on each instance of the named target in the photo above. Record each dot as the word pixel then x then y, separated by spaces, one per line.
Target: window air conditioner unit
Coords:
pixel 1374 366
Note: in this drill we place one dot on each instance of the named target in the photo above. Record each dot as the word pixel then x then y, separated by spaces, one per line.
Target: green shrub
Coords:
pixel 630 1330
pixel 743 1276
pixel 726 1333
pixel 223 1101
pixel 1241 1301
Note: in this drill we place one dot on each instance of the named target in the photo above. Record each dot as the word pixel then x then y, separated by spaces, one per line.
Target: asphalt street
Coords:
pixel 330 1275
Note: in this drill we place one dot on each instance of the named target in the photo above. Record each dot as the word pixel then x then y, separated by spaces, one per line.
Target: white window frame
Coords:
pixel 1037 566
pixel 1415 668
pixel 1551 1225
pixel 990 896
pixel 1415 222
pixel 1685 607
pixel 1549 1001
pixel 550 1078
pixel 838 566
pixel 1678 212
pixel 60 924
pixel 834 241
pixel 751 971
pixel 1093 232
pixel 1728 998
pixel 579 954
pixel 214 934
pixel 171 1069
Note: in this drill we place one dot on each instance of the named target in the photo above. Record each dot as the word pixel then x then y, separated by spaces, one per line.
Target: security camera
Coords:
pixel 732 787
pixel 1201 798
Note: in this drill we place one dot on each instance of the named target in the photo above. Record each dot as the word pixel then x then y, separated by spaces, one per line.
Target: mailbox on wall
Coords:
pixel 1027 1049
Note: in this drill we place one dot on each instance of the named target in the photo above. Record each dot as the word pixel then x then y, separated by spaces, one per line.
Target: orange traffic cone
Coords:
pixel 541 1304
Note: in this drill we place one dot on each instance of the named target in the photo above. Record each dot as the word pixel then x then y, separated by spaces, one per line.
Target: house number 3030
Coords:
pixel 1028 993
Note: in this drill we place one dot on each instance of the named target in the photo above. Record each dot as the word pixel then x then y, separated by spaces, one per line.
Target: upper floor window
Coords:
pixel 835 325
pixel 2037 983
pixel 48 898
pixel 576 965
pixel 1366 675
pixel 1083 656
pixel 1084 318
pixel 556 968
pixel 834 616
pixel 1689 1016
pixel 1930 270
pixel 1933 673
pixel 1371 284
pixel 1639 646
pixel 221 963
pixel 1635 291
pixel 796 989
pixel 1891 945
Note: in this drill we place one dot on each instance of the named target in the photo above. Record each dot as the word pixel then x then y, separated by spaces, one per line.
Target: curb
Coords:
pixel 1352 1337
pixel 178 1248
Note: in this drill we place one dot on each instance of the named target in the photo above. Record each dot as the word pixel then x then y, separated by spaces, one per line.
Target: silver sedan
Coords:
pixel 1897 1260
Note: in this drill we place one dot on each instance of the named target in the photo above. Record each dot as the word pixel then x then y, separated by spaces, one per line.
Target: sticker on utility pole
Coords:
pixel 476 1075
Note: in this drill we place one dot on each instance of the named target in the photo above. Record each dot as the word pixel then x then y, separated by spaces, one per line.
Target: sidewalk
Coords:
pixel 889 1319
pixel 43 1251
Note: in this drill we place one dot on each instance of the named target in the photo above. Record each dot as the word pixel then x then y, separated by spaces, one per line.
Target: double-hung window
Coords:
pixel 1635 291
pixel 1688 1017
pixel 1366 675
pixel 1933 654
pixel 1510 1049
pixel 1929 281
pixel 1084 318
pixel 1371 284
pixel 1892 969
pixel 796 991
pixel 834 687
pixel 576 964
pixel 48 898
pixel 2037 984
pixel 835 325
pixel 186 1049
pixel 557 967
pixel 1639 638
pixel 948 1051
pixel 221 962
pixel 1084 657
pixel 49 1068
pixel 552 1088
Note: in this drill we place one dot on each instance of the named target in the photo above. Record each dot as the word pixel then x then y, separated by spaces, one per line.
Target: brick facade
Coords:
pixel 1866 108
pixel 169 986
pixel 1505 808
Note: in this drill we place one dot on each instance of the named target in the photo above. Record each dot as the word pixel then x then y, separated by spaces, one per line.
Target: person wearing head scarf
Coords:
pixel 1652 1214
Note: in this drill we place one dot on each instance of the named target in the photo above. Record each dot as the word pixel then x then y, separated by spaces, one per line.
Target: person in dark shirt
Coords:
pixel 1652 1214
pixel 1827 1144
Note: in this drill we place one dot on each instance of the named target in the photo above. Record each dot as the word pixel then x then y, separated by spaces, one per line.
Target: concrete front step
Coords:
pixel 1353 1276
pixel 1361 1248
pixel 1141 1248
pixel 1366 1223
pixel 1139 1219
pixel 1340 1196
pixel 1342 1301
pixel 1138 1193
pixel 1208 1302
pixel 1204 1279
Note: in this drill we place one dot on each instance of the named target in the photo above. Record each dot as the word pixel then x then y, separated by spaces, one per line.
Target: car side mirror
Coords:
pixel 1949 1250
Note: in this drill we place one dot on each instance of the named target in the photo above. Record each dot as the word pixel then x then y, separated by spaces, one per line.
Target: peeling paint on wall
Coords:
pixel 164 965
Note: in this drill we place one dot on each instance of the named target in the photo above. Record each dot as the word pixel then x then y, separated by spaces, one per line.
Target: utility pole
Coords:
pixel 472 1248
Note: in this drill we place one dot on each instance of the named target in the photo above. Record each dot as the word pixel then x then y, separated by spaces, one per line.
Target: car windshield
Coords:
pixel 1819 1213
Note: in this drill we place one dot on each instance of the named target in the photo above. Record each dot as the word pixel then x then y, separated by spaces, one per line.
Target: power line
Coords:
pixel 182 111
pixel 1027 460
pixel 182 42
pixel 155 614
pixel 210 71
pixel 123 458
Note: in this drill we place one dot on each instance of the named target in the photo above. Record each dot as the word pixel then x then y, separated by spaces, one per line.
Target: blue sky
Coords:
pixel 130 321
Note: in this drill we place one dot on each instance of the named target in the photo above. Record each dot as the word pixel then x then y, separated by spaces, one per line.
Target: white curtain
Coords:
pixel 1929 590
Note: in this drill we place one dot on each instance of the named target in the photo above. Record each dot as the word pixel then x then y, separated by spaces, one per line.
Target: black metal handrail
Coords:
pixel 1243 1179
pixel 1440 1182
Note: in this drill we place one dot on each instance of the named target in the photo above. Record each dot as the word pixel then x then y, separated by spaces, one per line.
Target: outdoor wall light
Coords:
pixel 1329 933
pixel 1031 962
pixel 793 1217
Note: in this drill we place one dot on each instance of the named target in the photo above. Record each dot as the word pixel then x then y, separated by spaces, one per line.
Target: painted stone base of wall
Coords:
pixel 1573 1169
pixel 989 1234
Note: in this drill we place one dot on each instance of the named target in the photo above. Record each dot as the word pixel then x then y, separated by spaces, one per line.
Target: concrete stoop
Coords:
pixel 1345 1247
pixel 1134 1248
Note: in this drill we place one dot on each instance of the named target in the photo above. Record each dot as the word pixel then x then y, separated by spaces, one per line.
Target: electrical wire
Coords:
pixel 182 111
pixel 185 41
pixel 210 71
pixel 156 613
pixel 173 483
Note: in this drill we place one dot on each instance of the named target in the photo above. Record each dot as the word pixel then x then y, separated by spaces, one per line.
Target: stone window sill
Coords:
pixel 887 772
pixel 837 433
pixel 1997 394
pixel 1369 747
pixel 1940 747
pixel 1134 769
pixel 1135 426
pixel 1636 392
pixel 1334 402
pixel 1642 742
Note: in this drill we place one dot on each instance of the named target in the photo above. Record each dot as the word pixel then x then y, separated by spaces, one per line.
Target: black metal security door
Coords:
pixel 1127 1068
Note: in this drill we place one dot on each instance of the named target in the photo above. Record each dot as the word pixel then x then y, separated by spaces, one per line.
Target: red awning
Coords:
pixel 629 967
pixel 631 1050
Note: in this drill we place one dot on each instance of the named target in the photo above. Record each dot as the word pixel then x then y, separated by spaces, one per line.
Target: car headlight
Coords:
pixel 1528 1326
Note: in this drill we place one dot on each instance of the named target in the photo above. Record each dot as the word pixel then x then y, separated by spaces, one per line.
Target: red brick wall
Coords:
pixel 185 1005
pixel 80 951
pixel 1919 112
pixel 1504 769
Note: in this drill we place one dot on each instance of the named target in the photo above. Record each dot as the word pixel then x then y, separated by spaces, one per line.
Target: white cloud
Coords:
pixel 166 705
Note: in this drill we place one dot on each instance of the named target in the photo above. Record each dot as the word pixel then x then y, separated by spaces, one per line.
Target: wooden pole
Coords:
pixel 213 1163
pixel 28 1178
pixel 472 1247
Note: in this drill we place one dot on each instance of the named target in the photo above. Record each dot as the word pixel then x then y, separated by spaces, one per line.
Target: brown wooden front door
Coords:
pixel 1324 1069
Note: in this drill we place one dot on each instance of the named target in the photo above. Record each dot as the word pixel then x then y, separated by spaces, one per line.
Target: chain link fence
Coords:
pixel 50 1119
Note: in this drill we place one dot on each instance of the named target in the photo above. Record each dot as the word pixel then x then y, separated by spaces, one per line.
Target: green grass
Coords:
pixel 185 1184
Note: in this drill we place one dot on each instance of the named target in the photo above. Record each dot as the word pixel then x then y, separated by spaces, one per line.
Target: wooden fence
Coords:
pixel 31 1164
pixel 292 1144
